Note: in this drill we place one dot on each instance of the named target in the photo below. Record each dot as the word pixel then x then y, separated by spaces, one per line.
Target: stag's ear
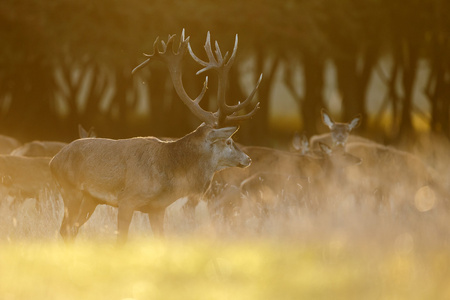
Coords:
pixel 221 133
pixel 86 134
pixel 92 132
pixel 326 119
pixel 355 122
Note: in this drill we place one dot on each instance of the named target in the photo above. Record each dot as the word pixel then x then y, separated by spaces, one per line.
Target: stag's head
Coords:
pixel 172 55
pixel 219 145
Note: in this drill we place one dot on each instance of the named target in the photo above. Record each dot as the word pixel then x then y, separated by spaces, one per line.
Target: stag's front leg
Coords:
pixel 156 218
pixel 76 212
pixel 189 207
pixel 125 214
pixel 72 203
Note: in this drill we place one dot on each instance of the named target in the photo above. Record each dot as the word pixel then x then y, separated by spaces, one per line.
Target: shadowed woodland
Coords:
pixel 68 62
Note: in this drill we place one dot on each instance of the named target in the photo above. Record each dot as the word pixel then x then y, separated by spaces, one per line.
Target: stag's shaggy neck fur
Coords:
pixel 186 160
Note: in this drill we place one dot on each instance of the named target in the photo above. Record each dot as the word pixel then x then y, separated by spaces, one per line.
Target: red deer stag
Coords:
pixel 147 174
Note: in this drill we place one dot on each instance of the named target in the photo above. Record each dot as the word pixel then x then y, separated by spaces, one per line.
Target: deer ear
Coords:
pixel 82 133
pixel 325 148
pixel 326 119
pixel 355 122
pixel 299 141
pixel 222 133
pixel 296 142
pixel 92 133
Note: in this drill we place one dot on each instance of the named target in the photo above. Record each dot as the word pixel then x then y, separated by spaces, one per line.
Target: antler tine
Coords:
pixel 164 55
pixel 155 47
pixel 218 53
pixel 170 42
pixel 183 39
pixel 216 61
pixel 233 119
pixel 202 93
pixel 230 62
pixel 155 50
pixel 212 60
pixel 140 66
pixel 229 109
pixel 213 63
pixel 197 60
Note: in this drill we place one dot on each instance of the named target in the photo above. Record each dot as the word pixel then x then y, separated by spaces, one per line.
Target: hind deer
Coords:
pixel 25 177
pixel 276 171
pixel 145 173
pixel 8 144
pixel 395 177
pixel 300 144
pixel 339 133
pixel 48 148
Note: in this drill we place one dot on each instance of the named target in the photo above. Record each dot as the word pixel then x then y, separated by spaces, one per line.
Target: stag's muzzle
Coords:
pixel 245 162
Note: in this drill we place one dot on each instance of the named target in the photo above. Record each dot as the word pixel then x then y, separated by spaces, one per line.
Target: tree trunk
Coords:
pixel 409 61
pixel 313 102
pixel 260 123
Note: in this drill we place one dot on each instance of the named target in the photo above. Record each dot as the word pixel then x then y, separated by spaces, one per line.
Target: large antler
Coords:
pixel 225 114
pixel 173 61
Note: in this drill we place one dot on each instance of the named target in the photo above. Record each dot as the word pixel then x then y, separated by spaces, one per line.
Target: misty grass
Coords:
pixel 204 269
pixel 344 251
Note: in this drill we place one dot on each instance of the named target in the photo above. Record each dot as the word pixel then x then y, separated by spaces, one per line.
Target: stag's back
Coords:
pixel 103 167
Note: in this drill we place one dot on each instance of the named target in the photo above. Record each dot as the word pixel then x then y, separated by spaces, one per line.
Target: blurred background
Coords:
pixel 66 62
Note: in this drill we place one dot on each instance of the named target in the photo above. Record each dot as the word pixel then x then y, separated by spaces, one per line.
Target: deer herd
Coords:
pixel 148 174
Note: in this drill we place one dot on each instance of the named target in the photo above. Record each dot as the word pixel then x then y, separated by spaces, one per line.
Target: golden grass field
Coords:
pixel 342 252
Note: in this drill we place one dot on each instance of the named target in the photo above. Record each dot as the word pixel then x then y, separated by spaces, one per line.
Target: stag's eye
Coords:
pixel 228 142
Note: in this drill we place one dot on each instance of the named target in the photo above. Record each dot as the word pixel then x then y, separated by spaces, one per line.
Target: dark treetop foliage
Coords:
pixel 65 62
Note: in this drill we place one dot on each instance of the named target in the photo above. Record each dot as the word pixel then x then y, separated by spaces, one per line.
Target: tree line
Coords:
pixel 66 62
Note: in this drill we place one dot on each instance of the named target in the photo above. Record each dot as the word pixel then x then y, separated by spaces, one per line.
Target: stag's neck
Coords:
pixel 192 164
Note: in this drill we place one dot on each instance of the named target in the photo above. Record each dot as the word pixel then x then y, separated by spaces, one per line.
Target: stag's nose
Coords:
pixel 247 161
